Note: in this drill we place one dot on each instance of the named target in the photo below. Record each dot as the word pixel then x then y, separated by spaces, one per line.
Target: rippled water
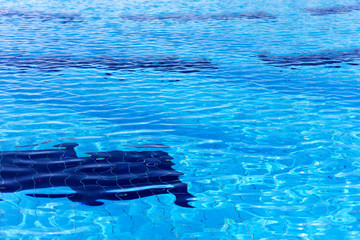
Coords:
pixel 269 146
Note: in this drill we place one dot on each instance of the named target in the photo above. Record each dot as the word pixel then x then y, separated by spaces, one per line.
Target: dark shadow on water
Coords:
pixel 113 175
pixel 196 17
pixel 54 63
pixel 312 59
pixel 333 10
pixel 43 16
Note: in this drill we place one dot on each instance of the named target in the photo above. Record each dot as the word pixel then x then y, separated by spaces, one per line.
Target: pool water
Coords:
pixel 257 102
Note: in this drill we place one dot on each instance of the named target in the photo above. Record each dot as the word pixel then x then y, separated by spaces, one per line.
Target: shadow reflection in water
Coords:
pixel 113 175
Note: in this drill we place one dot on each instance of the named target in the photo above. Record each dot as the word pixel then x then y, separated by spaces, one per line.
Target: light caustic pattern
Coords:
pixel 257 102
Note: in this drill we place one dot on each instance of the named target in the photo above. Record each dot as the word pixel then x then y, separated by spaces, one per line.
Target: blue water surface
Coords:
pixel 258 101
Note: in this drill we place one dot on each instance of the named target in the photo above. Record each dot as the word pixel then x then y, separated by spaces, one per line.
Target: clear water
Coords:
pixel 270 152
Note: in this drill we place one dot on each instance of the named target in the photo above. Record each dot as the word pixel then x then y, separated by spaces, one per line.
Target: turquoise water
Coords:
pixel 269 152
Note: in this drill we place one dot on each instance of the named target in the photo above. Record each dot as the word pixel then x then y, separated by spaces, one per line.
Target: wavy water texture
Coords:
pixel 269 152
